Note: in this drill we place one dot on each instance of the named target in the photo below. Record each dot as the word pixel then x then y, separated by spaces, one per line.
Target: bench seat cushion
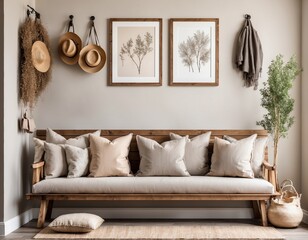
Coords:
pixel 152 185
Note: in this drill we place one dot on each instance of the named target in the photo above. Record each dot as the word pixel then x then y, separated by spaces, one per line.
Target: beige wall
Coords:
pixel 76 99
pixel 304 104
pixel 16 161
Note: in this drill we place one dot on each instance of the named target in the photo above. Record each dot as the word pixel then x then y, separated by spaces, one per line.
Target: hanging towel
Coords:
pixel 249 55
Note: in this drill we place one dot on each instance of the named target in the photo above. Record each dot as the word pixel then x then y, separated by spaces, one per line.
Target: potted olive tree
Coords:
pixel 284 211
pixel 277 100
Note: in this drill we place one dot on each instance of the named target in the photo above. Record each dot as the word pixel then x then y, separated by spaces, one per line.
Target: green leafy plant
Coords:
pixel 277 100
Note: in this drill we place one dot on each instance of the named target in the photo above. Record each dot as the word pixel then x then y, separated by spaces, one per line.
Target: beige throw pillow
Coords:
pixel 109 158
pixel 38 149
pixel 232 159
pixel 76 223
pixel 166 159
pixel 55 161
pixel 196 153
pixel 81 141
pixel 77 161
pixel 257 154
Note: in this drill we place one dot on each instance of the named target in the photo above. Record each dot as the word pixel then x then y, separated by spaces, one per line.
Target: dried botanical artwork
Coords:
pixel 195 51
pixel 136 52
pixel 136 57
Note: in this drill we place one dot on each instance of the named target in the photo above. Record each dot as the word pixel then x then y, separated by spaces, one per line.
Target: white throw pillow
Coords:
pixel 77 161
pixel 196 153
pixel 166 159
pixel 76 223
pixel 55 160
pixel 81 141
pixel 257 154
pixel 232 159
pixel 109 158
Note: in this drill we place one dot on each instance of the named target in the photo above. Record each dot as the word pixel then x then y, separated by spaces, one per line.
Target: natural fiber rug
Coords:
pixel 137 231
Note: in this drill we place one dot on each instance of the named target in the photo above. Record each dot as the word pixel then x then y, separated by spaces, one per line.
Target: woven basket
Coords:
pixel 286 211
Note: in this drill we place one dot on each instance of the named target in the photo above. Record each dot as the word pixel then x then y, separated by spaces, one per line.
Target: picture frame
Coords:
pixel 135 52
pixel 194 52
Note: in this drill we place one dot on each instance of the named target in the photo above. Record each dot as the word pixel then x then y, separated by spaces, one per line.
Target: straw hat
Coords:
pixel 69 48
pixel 92 58
pixel 40 56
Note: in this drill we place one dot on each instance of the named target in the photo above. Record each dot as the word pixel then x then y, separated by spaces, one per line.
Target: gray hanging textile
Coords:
pixel 249 55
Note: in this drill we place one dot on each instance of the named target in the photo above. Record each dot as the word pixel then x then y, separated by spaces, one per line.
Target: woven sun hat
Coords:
pixel 40 56
pixel 69 47
pixel 92 58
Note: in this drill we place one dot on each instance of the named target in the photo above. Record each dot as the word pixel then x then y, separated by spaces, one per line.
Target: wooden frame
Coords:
pixel 126 68
pixel 188 65
pixel 258 200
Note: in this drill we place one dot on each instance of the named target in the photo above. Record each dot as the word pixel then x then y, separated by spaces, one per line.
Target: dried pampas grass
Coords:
pixel 32 82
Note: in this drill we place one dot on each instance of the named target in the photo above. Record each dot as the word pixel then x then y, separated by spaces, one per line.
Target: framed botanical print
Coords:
pixel 135 52
pixel 194 51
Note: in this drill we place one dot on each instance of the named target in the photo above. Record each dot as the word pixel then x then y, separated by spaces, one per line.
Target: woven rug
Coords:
pixel 156 230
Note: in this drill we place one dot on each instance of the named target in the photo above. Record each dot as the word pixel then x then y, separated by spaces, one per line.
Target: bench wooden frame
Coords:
pixel 258 200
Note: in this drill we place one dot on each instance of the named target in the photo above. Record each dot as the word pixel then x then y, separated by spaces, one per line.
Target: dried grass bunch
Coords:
pixel 32 82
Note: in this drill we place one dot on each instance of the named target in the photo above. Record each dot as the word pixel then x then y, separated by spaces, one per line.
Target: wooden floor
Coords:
pixel 29 230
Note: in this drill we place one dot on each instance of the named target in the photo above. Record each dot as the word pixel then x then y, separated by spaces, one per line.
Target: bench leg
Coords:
pixel 42 213
pixel 49 209
pixel 256 209
pixel 263 213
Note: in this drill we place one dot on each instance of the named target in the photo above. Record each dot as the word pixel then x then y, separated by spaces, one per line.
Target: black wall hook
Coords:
pixel 247 16
pixel 71 24
pixel 71 20
pixel 92 18
pixel 32 11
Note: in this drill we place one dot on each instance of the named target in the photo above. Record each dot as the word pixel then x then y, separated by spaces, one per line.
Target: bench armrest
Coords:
pixel 268 166
pixel 270 174
pixel 38 165
pixel 38 170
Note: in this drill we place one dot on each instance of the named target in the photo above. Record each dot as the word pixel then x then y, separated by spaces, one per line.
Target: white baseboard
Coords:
pixel 159 213
pixel 11 225
pixel 2 229
pixel 305 218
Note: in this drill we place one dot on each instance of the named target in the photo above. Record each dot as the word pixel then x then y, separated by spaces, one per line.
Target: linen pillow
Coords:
pixel 109 158
pixel 81 141
pixel 55 161
pixel 77 161
pixel 38 149
pixel 257 154
pixel 76 223
pixel 166 159
pixel 232 159
pixel 196 153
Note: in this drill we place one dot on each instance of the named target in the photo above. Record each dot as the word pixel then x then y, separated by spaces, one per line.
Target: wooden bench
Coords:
pixel 258 200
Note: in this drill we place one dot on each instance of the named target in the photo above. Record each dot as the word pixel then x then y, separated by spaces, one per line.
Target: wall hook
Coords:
pixel 37 14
